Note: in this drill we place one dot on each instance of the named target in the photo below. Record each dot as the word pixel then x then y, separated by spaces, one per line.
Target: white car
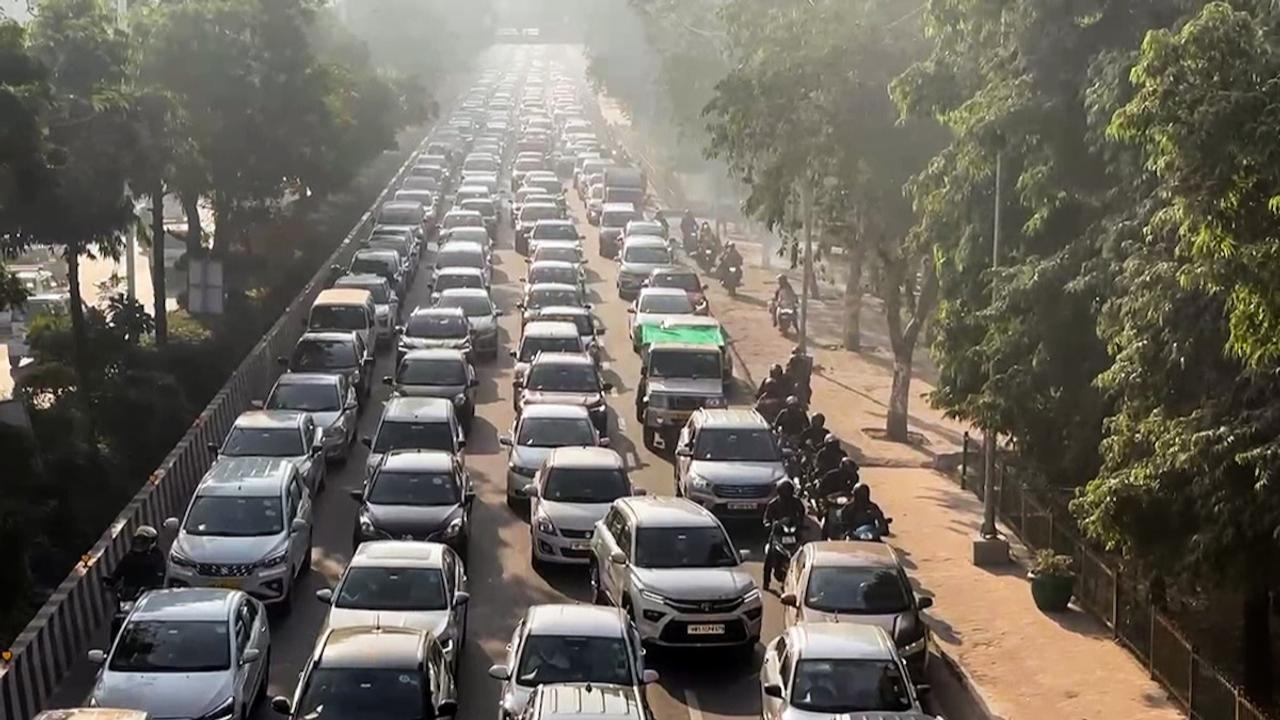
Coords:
pixel 191 653
pixel 248 527
pixel 291 434
pixel 568 643
pixel 571 493
pixel 653 307
pixel 537 431
pixel 420 585
pixel 671 563
pixel 817 671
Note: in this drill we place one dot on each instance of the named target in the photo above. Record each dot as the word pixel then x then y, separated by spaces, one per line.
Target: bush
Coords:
pixel 1047 563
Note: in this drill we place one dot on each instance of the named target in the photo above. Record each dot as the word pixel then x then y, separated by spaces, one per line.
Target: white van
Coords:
pixel 345 310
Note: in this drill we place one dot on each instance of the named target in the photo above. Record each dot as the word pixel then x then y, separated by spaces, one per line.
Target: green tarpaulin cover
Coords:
pixel 691 334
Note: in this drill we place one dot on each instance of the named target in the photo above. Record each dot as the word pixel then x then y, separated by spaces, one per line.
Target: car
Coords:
pixel 858 582
pixel 447 278
pixel 587 701
pixel 530 214
pixel 403 583
pixel 415 423
pixel 431 328
pixel 558 643
pixel 384 262
pixel 643 557
pixel 461 218
pixel 543 295
pixel 247 527
pixel 613 219
pixel 421 495
pixel 566 378
pixel 639 257
pixel 343 353
pixel 824 670
pixel 488 210
pixel 570 493
pixel 441 373
pixel 589 330
pixel 651 228
pixel 288 434
pixel 478 162
pixel 470 191
pixel 331 402
pixel 463 253
pixel 402 213
pixel 488 181
pixel 524 165
pixel 569 251
pixel 543 336
pixel 425 191
pixel 189 653
pixel 653 306
pixel 682 278
pixel 728 461
pixel 344 310
pixel 385 302
pixel 553 230
pixel 555 272
pixel 481 313
pixel 374 671
pixel 538 430
pixel 401 239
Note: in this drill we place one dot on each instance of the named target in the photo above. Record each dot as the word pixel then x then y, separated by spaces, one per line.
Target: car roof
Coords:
pixel 303 378
pixel 661 291
pixel 247 476
pixel 673 270
pixel 849 553
pixel 436 354
pixel 550 328
pixel 400 205
pixel 683 347
pixel 587 701
pixel 269 419
pixel 584 457
pixel 735 418
pixel 418 461
pixel 457 211
pixel 618 206
pixel 402 409
pixel 552 286
pixel 839 641
pixel 575 619
pixel 666 511
pixel 458 270
pixel 400 553
pixel 560 221
pixel 539 204
pixel 552 410
pixel 359 280
pixel 376 253
pixel 372 647
pixel 185 604
pixel 343 296
pixel 563 358
pixel 644 241
pixel 470 246
pixel 553 310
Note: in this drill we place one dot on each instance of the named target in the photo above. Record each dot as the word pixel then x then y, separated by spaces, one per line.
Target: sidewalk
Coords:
pixel 1021 662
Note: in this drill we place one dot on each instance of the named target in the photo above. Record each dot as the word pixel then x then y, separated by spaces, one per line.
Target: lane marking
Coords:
pixel 691 702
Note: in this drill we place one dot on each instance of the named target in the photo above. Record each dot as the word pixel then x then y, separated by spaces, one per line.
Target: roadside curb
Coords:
pixel 970 687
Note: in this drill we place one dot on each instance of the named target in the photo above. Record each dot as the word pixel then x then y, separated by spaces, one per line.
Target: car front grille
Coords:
pixel 708 607
pixel 576 534
pixel 677 402
pixel 219 570
pixel 575 554
pixel 742 491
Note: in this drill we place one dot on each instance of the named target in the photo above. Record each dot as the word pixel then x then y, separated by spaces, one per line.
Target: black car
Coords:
pixel 340 353
pixel 421 495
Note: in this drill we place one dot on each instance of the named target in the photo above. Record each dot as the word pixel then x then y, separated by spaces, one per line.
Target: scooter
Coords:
pixel 784 316
pixel 126 599
pixel 869 532
pixel 784 541
pixel 731 278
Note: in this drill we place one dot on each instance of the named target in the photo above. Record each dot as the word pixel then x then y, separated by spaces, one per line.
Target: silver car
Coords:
pixel 290 434
pixel 728 461
pixel 331 402
pixel 191 653
pixel 481 313
pixel 415 423
pixel 543 336
pixel 537 431
pixel 569 643
pixel 653 307
pixel 640 256
pixel 569 494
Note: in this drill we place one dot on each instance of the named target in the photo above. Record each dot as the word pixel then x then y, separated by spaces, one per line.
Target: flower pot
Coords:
pixel 1052 593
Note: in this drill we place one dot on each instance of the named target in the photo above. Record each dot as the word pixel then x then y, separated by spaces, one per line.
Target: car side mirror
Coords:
pixel 250 656
pixel 367 441
pixel 281 705
pixel 447 708
pixel 744 554
pixel 924 603
pixel 789 600
pixel 357 495
pixel 505 440
pixel 317 449
pixel 649 677
pixel 282 361
pixel 212 447
pixel 171 524
pixel 500 672
pixel 461 598
pixel 325 595
pixel 684 452
pixel 529 491
pixel 257 404
pixel 617 557
pixel 388 380
pixel 97 657
pixel 773 690
pixel 298 525
pixel 605 442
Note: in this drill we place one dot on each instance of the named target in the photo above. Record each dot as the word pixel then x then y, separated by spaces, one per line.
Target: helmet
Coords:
pixel 786 487
pixel 768 384
pixel 775 370
pixel 144 537
pixel 781 278
pixel 728 245
pixel 861 493
pixel 793 401
pixel 848 464
pixel 831 440
pixel 818 420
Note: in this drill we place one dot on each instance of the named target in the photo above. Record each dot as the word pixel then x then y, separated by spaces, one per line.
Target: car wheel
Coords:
pixel 649 435
pixel 305 568
pixel 593 577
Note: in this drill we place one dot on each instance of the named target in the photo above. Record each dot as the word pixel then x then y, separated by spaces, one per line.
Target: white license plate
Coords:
pixel 706 629
pixel 580 544
pixel 743 506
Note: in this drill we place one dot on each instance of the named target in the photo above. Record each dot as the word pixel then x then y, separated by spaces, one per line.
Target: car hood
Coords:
pixel 529 457
pixel 399 520
pixel 685 386
pixel 538 397
pixel 325 418
pixel 436 391
pixel 224 550
pixel 743 473
pixel 164 695
pixel 573 516
pixel 696 583
pixel 432 621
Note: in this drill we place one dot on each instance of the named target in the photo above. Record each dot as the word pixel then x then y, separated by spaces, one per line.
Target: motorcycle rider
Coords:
pixel 661 218
pixel 793 420
pixel 142 568
pixel 708 243
pixel 730 263
pixel 813 435
pixel 783 296
pixel 843 480
pixel 863 513
pixel 800 370
pixel 828 456
pixel 689 230
pixel 784 507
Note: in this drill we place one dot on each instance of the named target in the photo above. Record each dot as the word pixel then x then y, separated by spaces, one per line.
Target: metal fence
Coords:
pixel 1117 598
pixel 61 631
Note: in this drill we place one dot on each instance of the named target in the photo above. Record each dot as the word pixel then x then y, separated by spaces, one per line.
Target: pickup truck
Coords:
pixel 675 380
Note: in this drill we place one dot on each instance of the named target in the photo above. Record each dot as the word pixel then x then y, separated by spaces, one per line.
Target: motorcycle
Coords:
pixel 705 257
pixel 784 317
pixel 869 532
pixel 784 541
pixel 731 278
pixel 827 509
pixel 126 599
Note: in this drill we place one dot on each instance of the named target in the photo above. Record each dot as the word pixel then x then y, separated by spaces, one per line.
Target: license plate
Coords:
pixel 225 583
pixel 706 629
pixel 743 506
pixel 579 545
pixel 788 540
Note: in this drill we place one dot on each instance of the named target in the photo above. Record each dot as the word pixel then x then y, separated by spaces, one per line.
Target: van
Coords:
pixel 345 310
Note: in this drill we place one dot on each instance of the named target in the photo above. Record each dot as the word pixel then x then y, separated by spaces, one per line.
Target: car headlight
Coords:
pixel 751 595
pixel 715 402
pixel 454 528
pixel 544 525
pixel 225 711
pixel 652 596
pixel 180 560
pixel 698 483
pixel 275 560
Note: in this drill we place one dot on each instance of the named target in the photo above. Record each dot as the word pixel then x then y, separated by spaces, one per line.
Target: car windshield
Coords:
pixel 531 346
pixel 399 216
pixel 459 258
pixel 565 275
pixel 565 658
pixel 683 281
pixel 413 488
pixel 555 432
pixel 585 485
pixel 472 305
pixel 529 164
pixel 414 371
pixel 338 317
pixel 384 588
pixel 562 254
pixel 647 255
pixel 453 220
pixel 547 297
pixel 365 693
pixel 665 304
pixel 436 326
pixel 849 686
pixel 736 445
pixel 559 377
pixel 413 436
pixel 555 231
pixel 264 442
pixel 667 547
pixel 157 646
pixel 695 365
pixel 421 180
pixel 857 590
pixel 307 397
pixel 234 516
pixel 372 266
pixel 449 281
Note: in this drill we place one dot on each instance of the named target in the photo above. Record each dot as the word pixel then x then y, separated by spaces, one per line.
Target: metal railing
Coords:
pixel 59 634
pixel 1117 598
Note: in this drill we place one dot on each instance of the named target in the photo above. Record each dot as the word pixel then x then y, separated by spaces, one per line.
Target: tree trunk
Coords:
pixel 79 335
pixel 1255 642
pixel 899 397
pixel 903 339
pixel 160 305
pixel 853 299
pixel 195 232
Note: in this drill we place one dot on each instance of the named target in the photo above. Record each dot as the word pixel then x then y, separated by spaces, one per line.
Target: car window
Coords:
pixel 264 442
pixel 172 646
pixel 415 436
pixel 555 432
pixel 417 489
pixel 294 499
pixel 736 445
pixel 623 536
pixel 858 590
pixel 366 693
pixel 432 371
pixel 307 397
pixel 234 516
pixel 563 377
pixel 242 635
pixel 785 661
pixel 531 346
pixel 325 354
pixel 665 304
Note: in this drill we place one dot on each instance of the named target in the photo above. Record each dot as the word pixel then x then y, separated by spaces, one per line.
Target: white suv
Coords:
pixel 671 565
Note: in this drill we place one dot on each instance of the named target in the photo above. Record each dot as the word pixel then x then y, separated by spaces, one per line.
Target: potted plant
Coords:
pixel 1052 580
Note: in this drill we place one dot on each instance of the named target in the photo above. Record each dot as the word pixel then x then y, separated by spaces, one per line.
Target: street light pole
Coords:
pixel 989 491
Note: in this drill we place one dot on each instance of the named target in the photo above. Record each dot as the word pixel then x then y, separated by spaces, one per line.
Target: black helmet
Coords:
pixel 793 401
pixel 768 384
pixel 861 493
pixel 144 537
pixel 831 440
pixel 775 370
pixel 786 487
pixel 818 420
pixel 848 464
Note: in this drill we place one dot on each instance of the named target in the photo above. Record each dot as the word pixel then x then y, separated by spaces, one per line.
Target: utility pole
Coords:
pixel 806 211
pixel 989 548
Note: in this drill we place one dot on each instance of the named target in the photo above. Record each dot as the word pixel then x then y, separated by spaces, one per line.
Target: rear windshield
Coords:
pixel 378 588
pixel 666 304
pixel 323 355
pixel 683 281
pixel 555 231
pixel 472 305
pixel 431 372
pixel 372 266
pixel 460 258
pixel 413 436
pixel 381 292
pixel 263 442
pixel 339 317
pixel 530 348
pixel 647 255
pixel 618 218
pixel 436 326
pixel 399 216
pixel 532 213
pixel 548 297
pixel 307 397
pixel 560 275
